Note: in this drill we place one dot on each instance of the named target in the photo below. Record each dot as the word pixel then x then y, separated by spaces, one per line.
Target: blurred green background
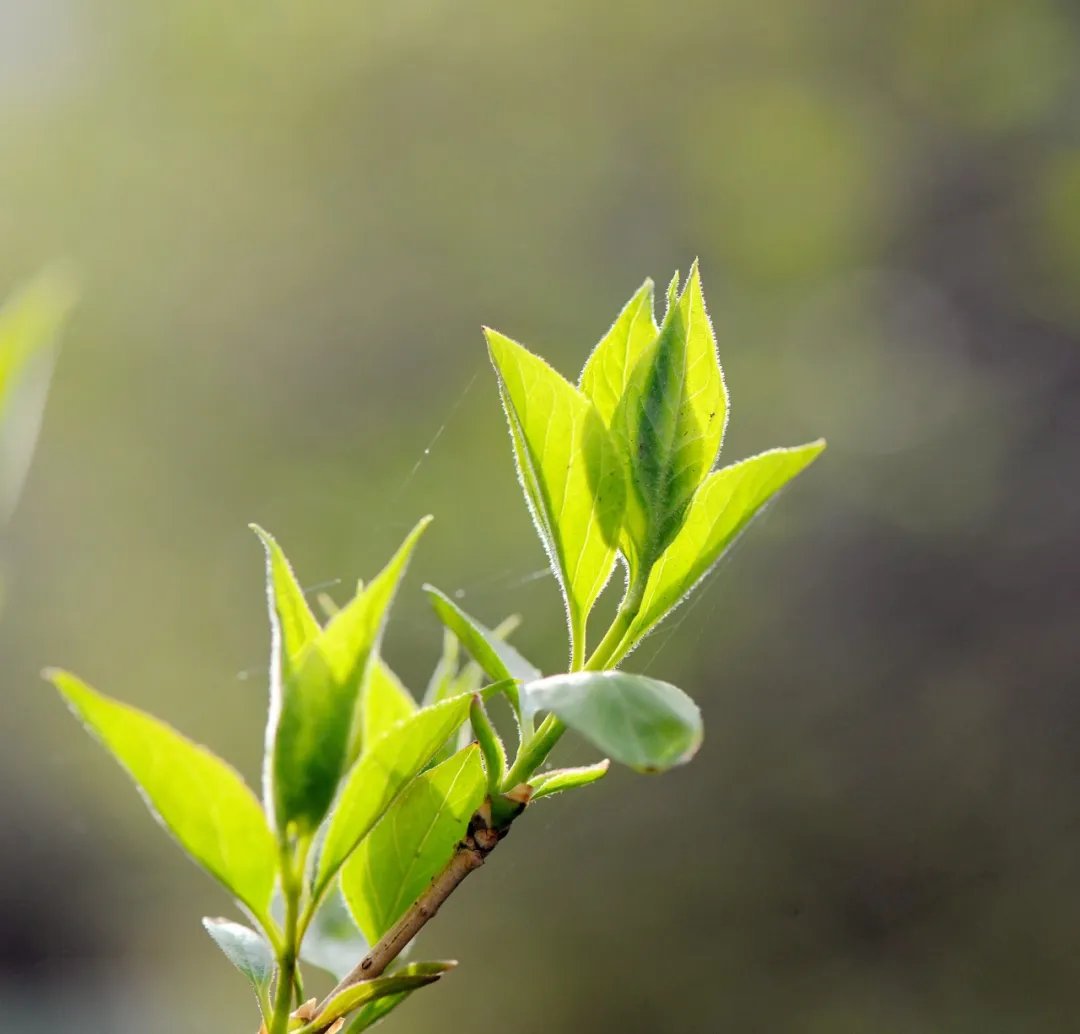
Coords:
pixel 290 221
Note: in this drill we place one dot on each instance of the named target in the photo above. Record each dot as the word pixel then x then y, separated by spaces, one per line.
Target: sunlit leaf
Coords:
pixel 404 981
pixel 412 842
pixel 200 799
pixel 641 722
pixel 559 779
pixel 571 474
pixel 30 322
pixel 498 659
pixel 248 951
pixel 728 500
pixel 670 424
pixel 314 724
pixel 386 701
pixel 607 372
pixel 292 621
pixel 381 774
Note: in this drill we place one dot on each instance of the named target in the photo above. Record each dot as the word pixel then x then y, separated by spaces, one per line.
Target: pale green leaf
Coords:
pixel 248 951
pixel 332 941
pixel 498 659
pixel 607 372
pixel 291 619
pixel 199 798
pixel 369 1014
pixel 412 842
pixel 314 729
pixel 670 424
pixel 404 981
pixel 441 684
pixel 380 775
pixel 386 701
pixel 727 501
pixel 573 479
pixel 559 779
pixel 641 722
pixel 30 322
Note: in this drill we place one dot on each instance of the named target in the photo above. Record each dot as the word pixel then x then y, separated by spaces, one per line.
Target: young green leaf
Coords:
pixel 314 727
pixel 200 799
pixel 332 942
pixel 641 722
pixel 496 657
pixel 724 505
pixel 369 990
pixel 607 372
pixel 570 471
pixel 414 839
pixel 670 424
pixel 386 701
pixel 380 775
pixel 246 950
pixel 559 779
pixel 291 619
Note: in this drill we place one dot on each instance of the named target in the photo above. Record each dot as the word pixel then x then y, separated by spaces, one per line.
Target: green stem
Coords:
pixel 534 752
pixel 286 976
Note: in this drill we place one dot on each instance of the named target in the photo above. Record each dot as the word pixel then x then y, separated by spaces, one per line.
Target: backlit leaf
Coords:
pixel 293 624
pixel 571 474
pixel 559 779
pixel 728 500
pixel 200 799
pixel 641 722
pixel 391 991
pixel 386 701
pixel 314 728
pixel 607 372
pixel 412 842
pixel 381 774
pixel 670 424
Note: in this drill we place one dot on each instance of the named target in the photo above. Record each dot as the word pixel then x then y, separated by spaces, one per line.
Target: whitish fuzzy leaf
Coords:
pixel 641 722
pixel 412 842
pixel 314 726
pixel 570 471
pixel 607 372
pixel 560 779
pixel 728 500
pixel 381 774
pixel 670 423
pixel 200 799
pixel 246 950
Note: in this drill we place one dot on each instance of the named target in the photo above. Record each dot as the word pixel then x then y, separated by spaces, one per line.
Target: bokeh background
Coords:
pixel 290 221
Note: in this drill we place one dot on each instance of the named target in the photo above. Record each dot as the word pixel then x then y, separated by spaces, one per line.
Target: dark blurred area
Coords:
pixel 290 221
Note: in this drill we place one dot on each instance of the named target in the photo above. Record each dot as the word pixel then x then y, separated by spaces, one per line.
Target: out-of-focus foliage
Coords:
pixel 291 220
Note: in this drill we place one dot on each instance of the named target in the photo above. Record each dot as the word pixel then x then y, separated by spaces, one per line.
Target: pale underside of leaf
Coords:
pixel 724 505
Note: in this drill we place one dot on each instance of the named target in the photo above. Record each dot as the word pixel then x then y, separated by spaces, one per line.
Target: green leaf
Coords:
pixel 292 622
pixel 573 479
pixel 30 322
pixel 406 980
pixel 315 729
pixel 441 684
pixel 332 942
pixel 724 505
pixel 380 775
pixel 607 373
pixel 412 842
pixel 641 722
pixel 560 779
pixel 386 701
pixel 200 799
pixel 368 1015
pixel 670 424
pixel 246 950
pixel 498 659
